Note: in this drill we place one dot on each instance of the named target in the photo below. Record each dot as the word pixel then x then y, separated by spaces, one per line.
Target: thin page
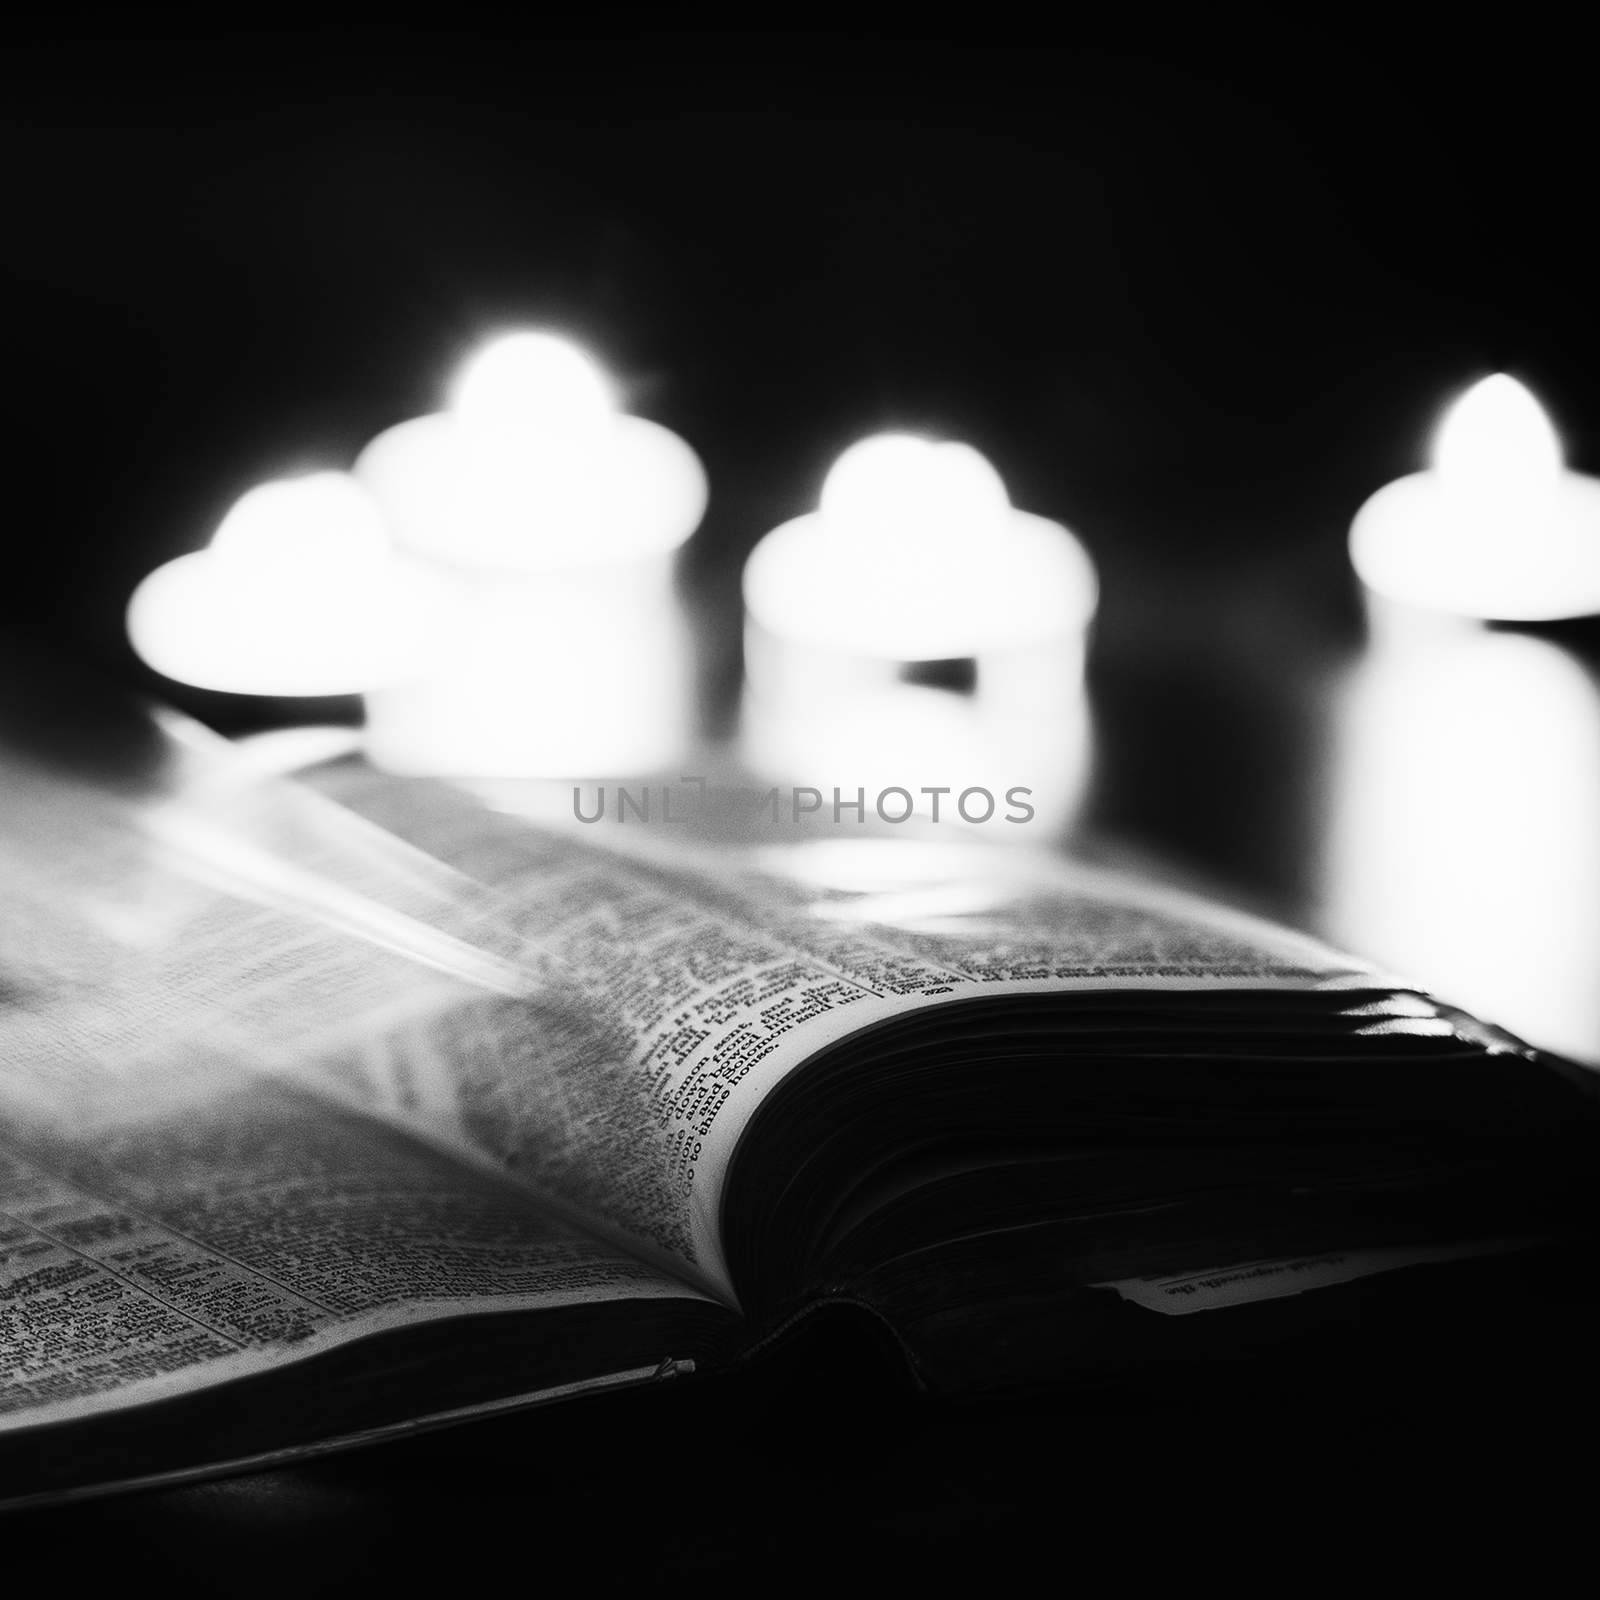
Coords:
pixel 711 973
pixel 180 1204
pixel 249 1231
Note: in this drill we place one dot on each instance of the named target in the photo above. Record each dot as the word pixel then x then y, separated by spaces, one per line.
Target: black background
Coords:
pixel 1196 294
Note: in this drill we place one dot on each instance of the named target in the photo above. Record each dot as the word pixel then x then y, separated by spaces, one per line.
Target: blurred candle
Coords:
pixel 1498 529
pixel 554 520
pixel 1460 843
pixel 920 632
pixel 299 593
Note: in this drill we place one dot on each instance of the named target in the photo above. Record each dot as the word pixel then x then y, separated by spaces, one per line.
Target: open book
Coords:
pixel 351 1104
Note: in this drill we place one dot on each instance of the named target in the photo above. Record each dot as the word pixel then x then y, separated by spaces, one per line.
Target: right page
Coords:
pixel 1172 1086
pixel 802 1054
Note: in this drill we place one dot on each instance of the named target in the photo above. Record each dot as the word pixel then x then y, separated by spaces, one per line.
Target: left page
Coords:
pixel 191 977
pixel 258 1228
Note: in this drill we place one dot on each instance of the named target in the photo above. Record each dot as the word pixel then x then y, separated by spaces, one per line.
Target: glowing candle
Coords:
pixel 918 630
pixel 555 519
pixel 1498 529
pixel 299 593
pixel 1459 843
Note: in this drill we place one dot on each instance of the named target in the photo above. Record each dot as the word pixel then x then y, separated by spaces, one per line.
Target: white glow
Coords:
pixel 532 468
pixel 1497 438
pixel 283 532
pixel 908 490
pixel 299 594
pixel 582 674
pixel 558 519
pixel 535 381
pixel 882 734
pixel 1496 530
pixel 916 554
pixel 1462 844
pixel 533 423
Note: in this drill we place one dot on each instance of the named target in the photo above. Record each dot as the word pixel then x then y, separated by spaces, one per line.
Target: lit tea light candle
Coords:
pixel 1458 841
pixel 556 520
pixel 1498 529
pixel 299 593
pixel 918 629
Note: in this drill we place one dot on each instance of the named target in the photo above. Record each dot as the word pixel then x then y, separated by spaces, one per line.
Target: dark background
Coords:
pixel 1195 295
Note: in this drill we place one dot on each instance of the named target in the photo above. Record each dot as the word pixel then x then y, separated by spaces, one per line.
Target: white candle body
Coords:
pixel 1460 844
pixel 298 594
pixel 1524 555
pixel 568 654
pixel 957 669
pixel 579 673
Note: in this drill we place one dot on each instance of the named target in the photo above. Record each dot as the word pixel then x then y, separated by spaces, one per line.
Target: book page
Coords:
pixel 185 990
pixel 1182 1294
pixel 711 973
pixel 247 1230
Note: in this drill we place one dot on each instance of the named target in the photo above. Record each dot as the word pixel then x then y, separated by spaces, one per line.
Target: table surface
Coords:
pixel 1435 809
pixel 1453 1449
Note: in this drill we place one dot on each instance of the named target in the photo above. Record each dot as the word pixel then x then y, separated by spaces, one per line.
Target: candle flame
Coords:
pixel 907 488
pixel 1497 439
pixel 534 381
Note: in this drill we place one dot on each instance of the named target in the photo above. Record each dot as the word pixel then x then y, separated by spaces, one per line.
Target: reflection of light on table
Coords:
pixel 555 520
pixel 1464 834
pixel 298 594
pixel 919 633
pixel 1497 529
